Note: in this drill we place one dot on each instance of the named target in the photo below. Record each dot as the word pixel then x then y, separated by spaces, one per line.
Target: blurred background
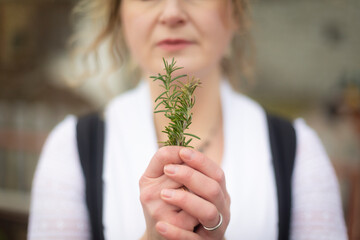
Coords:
pixel 308 65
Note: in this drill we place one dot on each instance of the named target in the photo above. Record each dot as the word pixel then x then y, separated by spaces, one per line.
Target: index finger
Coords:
pixel 165 155
pixel 202 163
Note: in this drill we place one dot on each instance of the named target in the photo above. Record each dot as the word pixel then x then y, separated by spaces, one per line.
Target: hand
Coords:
pixel 205 201
pixel 151 183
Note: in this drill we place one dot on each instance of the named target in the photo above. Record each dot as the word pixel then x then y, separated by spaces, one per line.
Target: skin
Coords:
pixel 208 24
pixel 170 212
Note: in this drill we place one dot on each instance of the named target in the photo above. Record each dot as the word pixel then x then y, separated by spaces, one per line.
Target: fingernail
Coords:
pixel 186 153
pixel 162 227
pixel 167 193
pixel 170 169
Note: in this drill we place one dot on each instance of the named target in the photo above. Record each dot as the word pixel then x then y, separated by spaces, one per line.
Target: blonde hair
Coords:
pixel 98 29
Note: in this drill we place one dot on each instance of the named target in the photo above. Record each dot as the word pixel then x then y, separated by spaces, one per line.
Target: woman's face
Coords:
pixel 194 32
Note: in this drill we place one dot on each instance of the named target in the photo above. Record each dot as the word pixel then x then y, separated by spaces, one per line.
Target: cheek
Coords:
pixel 135 28
pixel 217 28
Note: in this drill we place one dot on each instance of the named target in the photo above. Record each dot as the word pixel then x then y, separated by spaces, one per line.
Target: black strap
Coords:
pixel 90 137
pixel 283 148
pixel 90 140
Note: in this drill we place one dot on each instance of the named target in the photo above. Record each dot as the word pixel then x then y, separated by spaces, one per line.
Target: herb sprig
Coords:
pixel 177 100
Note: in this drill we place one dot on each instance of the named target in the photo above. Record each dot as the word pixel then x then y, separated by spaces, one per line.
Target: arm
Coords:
pixel 58 208
pixel 317 211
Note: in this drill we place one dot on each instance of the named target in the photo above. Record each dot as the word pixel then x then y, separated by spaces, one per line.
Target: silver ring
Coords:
pixel 217 226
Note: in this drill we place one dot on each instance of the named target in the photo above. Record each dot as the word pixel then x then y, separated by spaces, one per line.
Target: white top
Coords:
pixel 58 208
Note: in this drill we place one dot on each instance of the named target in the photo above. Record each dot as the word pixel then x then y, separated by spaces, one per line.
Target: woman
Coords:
pixel 235 146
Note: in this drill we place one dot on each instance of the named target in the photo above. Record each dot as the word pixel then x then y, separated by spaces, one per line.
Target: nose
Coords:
pixel 173 13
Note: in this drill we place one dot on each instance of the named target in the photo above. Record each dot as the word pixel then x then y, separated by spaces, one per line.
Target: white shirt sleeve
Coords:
pixel 317 211
pixel 58 208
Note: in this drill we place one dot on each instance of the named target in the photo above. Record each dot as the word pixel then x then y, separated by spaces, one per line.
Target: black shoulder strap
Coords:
pixel 90 140
pixel 283 148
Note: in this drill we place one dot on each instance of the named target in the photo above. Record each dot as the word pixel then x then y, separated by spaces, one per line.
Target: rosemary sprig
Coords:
pixel 177 100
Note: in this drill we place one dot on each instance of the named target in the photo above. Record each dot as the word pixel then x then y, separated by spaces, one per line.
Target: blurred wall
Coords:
pixel 304 47
pixel 31 32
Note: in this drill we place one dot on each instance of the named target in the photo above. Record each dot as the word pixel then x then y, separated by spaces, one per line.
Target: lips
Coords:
pixel 174 44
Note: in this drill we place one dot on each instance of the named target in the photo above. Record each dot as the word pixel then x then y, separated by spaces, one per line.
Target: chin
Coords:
pixel 190 65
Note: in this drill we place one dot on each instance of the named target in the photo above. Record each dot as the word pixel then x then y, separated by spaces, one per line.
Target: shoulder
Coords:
pixel 62 132
pixel 313 168
pixel 309 143
pixel 62 138
pixel 312 162
pixel 59 154
pixel 305 132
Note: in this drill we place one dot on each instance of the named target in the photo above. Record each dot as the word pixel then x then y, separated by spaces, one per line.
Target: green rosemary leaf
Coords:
pixel 176 78
pixel 159 111
pixel 158 105
pixel 159 97
pixel 177 100
pixel 191 135
pixel 188 141
pixel 176 68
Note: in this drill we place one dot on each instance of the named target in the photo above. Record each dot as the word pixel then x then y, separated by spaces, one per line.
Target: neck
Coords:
pixel 206 112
